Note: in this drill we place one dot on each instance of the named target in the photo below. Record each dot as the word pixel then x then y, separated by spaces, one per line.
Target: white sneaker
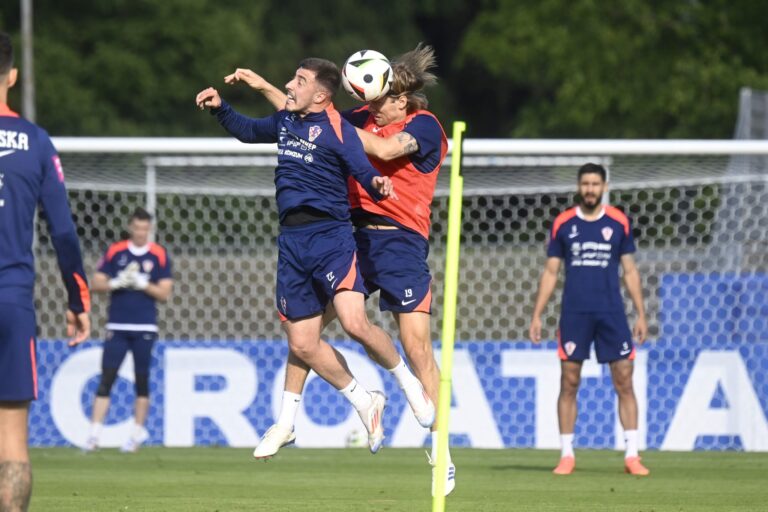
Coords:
pixel 91 444
pixel 421 405
pixel 450 477
pixel 273 439
pixel 134 442
pixel 372 419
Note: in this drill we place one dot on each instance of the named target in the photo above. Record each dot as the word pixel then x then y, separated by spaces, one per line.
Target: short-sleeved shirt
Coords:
pixel 129 309
pixel 592 252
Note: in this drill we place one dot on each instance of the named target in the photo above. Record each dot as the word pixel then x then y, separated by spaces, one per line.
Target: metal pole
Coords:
pixel 151 195
pixel 27 63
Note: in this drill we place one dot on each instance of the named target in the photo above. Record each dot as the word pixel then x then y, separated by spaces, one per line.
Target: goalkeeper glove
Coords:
pixel 140 281
pixel 123 280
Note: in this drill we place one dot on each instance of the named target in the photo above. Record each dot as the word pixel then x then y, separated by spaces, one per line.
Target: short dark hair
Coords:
pixel 591 168
pixel 6 53
pixel 141 214
pixel 326 72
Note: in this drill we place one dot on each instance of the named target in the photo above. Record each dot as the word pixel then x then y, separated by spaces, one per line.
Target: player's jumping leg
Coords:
pixel 570 378
pixel 281 433
pixel 15 470
pixel 621 372
pixel 417 343
pixel 304 341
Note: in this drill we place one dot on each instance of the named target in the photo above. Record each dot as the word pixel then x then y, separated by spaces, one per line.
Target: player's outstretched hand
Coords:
pixel 535 331
pixel 208 98
pixel 78 327
pixel 252 79
pixel 384 186
pixel 640 331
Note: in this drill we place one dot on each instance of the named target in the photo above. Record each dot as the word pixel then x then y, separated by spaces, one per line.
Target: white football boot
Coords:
pixel 421 404
pixel 135 441
pixel 273 439
pixel 450 476
pixel 372 419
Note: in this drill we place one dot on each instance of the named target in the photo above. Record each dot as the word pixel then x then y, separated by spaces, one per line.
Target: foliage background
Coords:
pixel 524 68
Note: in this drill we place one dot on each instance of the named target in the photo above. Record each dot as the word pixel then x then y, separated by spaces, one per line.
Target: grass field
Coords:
pixel 226 479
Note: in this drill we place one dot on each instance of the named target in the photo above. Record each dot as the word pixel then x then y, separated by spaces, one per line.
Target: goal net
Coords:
pixel 700 219
pixel 216 214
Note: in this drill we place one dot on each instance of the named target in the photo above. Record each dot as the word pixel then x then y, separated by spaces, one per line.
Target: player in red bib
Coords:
pixel 593 240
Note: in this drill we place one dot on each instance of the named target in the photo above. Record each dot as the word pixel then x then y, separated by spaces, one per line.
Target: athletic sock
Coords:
pixel 357 395
pixel 96 430
pixel 404 376
pixel 138 431
pixel 566 445
pixel 433 455
pixel 288 410
pixel 630 438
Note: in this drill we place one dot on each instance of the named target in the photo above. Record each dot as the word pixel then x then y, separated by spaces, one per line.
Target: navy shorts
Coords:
pixel 609 330
pixel 117 345
pixel 315 261
pixel 18 359
pixel 395 262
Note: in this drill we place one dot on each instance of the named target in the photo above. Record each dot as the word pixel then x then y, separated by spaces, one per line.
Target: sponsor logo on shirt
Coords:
pixel 14 140
pixel 574 232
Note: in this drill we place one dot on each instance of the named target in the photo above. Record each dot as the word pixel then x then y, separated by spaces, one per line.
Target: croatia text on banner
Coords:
pixel 219 393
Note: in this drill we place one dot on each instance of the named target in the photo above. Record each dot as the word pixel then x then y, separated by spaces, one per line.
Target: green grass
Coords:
pixel 226 479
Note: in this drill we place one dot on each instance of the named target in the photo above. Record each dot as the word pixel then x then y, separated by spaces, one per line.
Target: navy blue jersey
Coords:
pixel 129 309
pixel 592 253
pixel 31 174
pixel 315 156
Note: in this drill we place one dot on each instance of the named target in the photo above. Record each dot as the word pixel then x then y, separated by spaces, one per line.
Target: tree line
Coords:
pixel 544 68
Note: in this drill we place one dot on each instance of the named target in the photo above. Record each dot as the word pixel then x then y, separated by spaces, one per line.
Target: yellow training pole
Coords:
pixel 449 314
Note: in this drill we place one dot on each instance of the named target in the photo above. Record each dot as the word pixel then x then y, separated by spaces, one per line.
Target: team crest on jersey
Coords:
pixel 314 132
pixel 607 233
pixel 570 347
pixel 59 168
pixel 147 265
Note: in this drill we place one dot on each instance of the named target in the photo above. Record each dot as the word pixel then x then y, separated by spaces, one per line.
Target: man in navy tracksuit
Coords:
pixel 30 173
pixel 317 261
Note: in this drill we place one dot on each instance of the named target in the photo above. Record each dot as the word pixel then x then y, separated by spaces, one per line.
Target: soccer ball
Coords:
pixel 367 75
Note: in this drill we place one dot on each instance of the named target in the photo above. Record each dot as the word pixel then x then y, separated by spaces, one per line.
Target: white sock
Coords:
pixel 357 395
pixel 96 429
pixel 630 438
pixel 138 431
pixel 288 410
pixel 566 445
pixel 404 376
pixel 433 455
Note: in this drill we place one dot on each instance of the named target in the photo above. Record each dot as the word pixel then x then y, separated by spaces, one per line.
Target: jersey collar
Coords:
pixel 5 111
pixel 580 214
pixel 136 250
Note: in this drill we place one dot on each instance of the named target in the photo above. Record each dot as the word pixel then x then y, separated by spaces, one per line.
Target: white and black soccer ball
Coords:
pixel 367 75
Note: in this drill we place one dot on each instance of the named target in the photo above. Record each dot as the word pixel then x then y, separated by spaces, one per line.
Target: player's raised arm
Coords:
pixel 388 148
pixel 256 82
pixel 546 288
pixel 635 289
pixel 208 98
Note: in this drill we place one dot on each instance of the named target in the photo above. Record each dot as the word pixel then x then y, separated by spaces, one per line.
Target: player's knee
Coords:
pixel 302 349
pixel 569 384
pixel 623 386
pixel 142 385
pixel 357 327
pixel 108 376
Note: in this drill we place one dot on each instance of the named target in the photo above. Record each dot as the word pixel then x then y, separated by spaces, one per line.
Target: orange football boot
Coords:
pixel 566 466
pixel 633 466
